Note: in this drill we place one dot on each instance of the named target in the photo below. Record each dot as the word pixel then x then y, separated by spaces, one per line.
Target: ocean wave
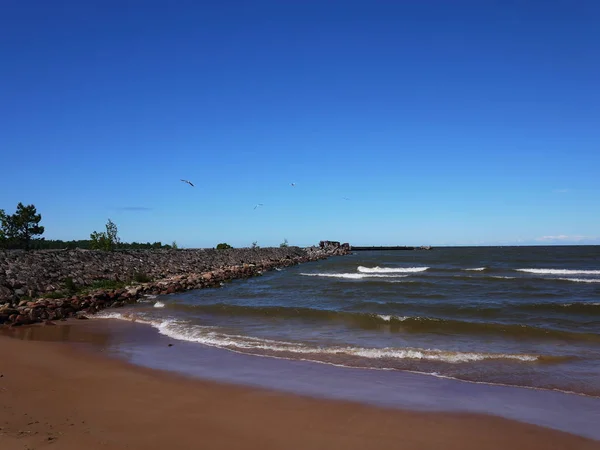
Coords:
pixel 487 311
pixel 398 323
pixel 351 276
pixel 389 318
pixel 575 307
pixel 560 271
pixel 269 347
pixel 159 305
pixel 147 298
pixel 131 317
pixel 476 269
pixel 581 280
pixel 378 269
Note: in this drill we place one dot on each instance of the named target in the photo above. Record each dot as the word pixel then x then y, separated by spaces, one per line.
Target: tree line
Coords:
pixel 22 230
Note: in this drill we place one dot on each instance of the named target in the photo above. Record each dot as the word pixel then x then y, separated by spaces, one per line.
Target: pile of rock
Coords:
pixel 26 275
pixel 335 248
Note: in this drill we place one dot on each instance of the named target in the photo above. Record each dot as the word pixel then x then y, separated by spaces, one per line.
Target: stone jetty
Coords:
pixel 45 286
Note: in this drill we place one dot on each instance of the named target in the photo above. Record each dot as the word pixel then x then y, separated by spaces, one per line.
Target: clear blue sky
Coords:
pixel 443 122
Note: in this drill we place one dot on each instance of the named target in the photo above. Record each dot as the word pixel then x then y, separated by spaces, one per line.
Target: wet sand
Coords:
pixel 68 396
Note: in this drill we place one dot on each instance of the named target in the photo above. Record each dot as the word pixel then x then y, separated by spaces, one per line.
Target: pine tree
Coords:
pixel 22 227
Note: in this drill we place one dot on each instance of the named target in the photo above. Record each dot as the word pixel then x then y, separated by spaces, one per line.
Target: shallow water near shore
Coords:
pixel 521 316
pixel 141 345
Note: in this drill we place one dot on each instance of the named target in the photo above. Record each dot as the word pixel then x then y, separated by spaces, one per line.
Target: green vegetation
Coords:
pixel 70 285
pixel 106 240
pixel 20 229
pixel 70 288
pixel 141 277
pixel 3 235
pixel 106 284
pixel 174 245
pixel 223 246
pixel 48 244
pixel 56 294
pixel 284 243
pixel 255 245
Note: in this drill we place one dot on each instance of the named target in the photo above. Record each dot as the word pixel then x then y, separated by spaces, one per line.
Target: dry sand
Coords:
pixel 53 395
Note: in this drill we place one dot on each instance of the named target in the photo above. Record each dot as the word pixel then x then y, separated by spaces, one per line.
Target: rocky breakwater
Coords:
pixel 44 286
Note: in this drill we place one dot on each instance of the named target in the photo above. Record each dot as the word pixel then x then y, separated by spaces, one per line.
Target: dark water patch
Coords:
pixel 590 309
pixel 399 324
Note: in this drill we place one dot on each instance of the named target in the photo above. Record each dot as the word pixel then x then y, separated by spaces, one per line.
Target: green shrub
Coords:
pixel 55 294
pixel 70 285
pixel 106 240
pixel 141 277
pixel 223 246
pixel 106 284
pixel 284 243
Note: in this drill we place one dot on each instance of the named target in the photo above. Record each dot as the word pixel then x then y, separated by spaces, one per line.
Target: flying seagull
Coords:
pixel 293 184
pixel 260 204
pixel 188 182
pixel 345 198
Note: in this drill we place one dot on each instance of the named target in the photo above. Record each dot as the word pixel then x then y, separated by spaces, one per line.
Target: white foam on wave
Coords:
pixel 129 317
pixel 503 278
pixel 581 280
pixel 159 305
pixel 213 337
pixel 560 271
pixel 436 355
pixel 351 276
pixel 147 298
pixel 378 269
pixel 580 304
pixel 389 318
pixel 201 335
pixel 476 269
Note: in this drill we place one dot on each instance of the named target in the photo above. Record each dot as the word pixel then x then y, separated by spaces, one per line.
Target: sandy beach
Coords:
pixel 56 395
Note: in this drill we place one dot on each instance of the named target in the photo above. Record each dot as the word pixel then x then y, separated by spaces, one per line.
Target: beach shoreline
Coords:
pixel 75 396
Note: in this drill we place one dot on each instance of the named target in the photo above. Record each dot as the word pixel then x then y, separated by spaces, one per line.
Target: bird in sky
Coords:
pixel 188 182
pixel 259 204
pixel 293 184
pixel 345 198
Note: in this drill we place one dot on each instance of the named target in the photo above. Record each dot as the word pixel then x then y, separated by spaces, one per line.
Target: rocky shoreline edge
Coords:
pixel 34 286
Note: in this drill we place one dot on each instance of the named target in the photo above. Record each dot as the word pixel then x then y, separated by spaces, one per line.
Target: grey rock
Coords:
pixel 37 272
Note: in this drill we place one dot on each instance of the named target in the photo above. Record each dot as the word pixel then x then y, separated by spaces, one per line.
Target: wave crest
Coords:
pixel 352 276
pixel 560 271
pixel 267 347
pixel 581 280
pixel 378 269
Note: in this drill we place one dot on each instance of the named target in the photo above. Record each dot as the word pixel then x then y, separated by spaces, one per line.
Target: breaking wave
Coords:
pixel 560 271
pixel 581 280
pixel 378 269
pixel 351 276
pixel 404 323
pixel 268 347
